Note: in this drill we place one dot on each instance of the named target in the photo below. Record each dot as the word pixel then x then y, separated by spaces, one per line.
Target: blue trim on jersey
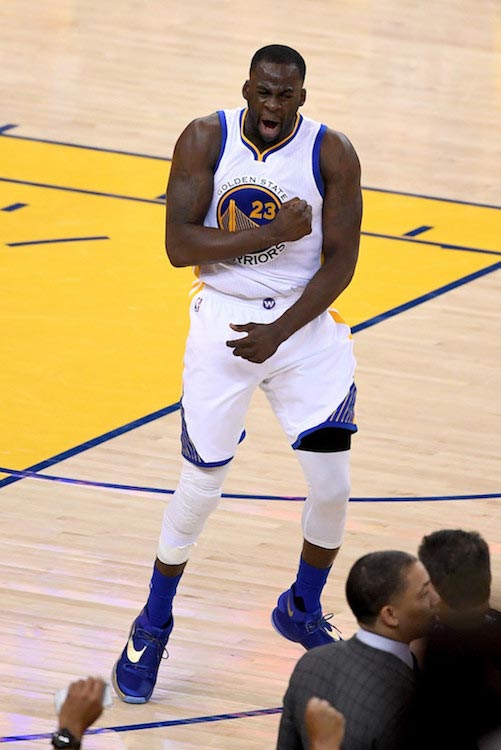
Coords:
pixel 343 417
pixel 286 141
pixel 263 155
pixel 245 142
pixel 316 160
pixel 224 136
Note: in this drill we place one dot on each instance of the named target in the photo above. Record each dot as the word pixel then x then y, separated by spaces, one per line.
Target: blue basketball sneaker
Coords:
pixel 310 629
pixel 135 673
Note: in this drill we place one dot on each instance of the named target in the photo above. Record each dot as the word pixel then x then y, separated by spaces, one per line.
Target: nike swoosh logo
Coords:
pixel 132 654
pixel 289 608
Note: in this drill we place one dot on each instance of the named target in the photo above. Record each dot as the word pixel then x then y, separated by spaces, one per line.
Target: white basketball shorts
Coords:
pixel 308 381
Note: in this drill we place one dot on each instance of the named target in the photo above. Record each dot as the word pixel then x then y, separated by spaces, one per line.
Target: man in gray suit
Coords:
pixel 370 678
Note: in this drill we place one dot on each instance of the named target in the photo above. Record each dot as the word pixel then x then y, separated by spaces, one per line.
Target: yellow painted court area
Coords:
pixel 93 328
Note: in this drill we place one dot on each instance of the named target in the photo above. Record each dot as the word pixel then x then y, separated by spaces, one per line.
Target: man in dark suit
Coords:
pixel 370 678
pixel 459 565
pixel 460 686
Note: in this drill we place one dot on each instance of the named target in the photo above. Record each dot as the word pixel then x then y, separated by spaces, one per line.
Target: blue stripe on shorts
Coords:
pixel 343 416
pixel 190 453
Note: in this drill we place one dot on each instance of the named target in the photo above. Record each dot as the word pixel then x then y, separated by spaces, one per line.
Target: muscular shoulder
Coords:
pixel 201 139
pixel 338 156
pixel 208 125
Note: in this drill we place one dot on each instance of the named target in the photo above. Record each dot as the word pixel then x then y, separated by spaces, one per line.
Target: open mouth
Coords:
pixel 269 128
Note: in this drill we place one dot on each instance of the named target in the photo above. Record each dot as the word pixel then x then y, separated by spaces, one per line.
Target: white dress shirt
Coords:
pixel 397 648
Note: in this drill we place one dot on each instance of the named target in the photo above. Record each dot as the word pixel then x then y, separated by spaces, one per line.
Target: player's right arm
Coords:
pixel 189 194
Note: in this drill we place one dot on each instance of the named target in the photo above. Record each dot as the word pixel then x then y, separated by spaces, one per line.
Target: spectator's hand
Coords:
pixel 83 705
pixel 324 725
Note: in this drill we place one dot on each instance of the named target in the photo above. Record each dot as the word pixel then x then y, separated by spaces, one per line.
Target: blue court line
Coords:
pixel 428 197
pixel 153 724
pixel 160 201
pixel 444 245
pixel 424 298
pixel 157 202
pixel 13 207
pixel 168 159
pixel 173 407
pixel 78 145
pixel 50 242
pixel 418 230
pixel 95 441
pixel 81 191
pixel 26 474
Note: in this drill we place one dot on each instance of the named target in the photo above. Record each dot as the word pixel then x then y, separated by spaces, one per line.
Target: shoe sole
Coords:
pixel 126 698
pixel 276 625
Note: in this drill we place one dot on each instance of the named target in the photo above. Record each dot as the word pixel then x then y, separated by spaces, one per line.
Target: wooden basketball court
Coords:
pixel 94 320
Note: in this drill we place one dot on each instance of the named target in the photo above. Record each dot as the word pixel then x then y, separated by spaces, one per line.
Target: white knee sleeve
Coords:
pixel 324 512
pixel 196 496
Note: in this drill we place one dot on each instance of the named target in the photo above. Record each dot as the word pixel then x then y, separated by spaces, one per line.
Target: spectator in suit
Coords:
pixel 460 686
pixel 369 678
pixel 459 566
pixel 84 705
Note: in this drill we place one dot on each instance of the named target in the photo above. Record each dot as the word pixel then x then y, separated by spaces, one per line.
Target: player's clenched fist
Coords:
pixel 293 220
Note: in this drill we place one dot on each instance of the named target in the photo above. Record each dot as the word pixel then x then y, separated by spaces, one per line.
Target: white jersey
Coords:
pixel 249 188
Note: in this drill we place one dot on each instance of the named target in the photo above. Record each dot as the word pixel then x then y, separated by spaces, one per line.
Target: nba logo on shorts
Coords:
pixel 268 303
pixel 197 304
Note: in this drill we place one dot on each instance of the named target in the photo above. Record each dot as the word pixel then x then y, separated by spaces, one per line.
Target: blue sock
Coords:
pixel 159 604
pixel 308 586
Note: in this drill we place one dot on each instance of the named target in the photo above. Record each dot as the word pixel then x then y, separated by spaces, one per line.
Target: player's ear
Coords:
pixel 245 91
pixel 303 97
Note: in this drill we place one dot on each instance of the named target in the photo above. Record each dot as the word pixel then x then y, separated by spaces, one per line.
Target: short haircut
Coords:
pixel 458 563
pixel 280 54
pixel 375 580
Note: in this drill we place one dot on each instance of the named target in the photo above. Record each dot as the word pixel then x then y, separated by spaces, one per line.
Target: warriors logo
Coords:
pixel 248 207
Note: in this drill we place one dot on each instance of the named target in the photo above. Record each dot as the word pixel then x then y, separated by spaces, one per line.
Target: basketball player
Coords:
pixel 266 204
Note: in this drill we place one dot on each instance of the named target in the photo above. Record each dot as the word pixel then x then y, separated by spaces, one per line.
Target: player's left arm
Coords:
pixel 341 219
